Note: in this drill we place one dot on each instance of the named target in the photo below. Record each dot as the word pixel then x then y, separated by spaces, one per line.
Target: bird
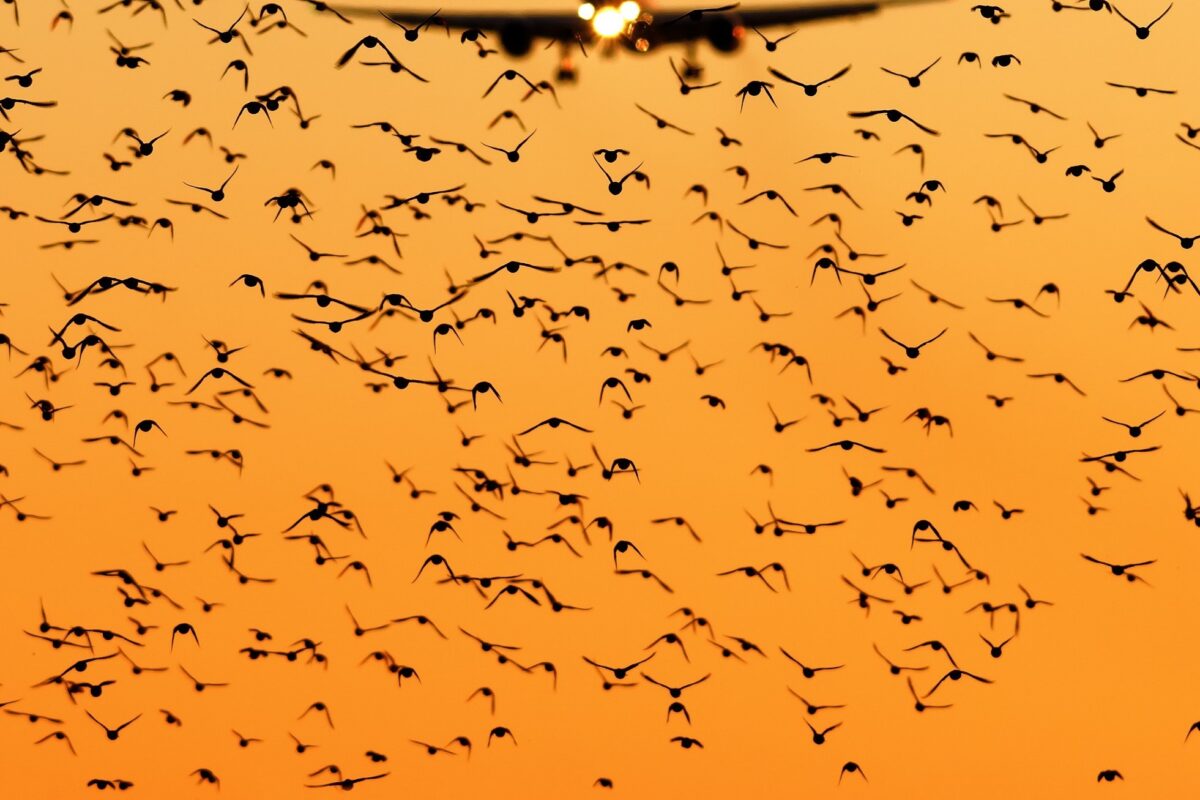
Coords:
pixel 810 89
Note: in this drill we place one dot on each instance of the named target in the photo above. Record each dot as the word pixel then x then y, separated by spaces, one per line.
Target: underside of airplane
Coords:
pixel 623 25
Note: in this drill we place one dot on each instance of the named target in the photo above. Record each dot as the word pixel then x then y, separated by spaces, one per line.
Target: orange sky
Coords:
pixel 1103 679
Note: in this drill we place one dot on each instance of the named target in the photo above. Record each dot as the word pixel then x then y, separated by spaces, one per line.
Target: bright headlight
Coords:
pixel 608 22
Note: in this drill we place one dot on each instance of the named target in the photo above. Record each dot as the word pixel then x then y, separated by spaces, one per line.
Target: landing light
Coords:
pixel 608 22
pixel 587 11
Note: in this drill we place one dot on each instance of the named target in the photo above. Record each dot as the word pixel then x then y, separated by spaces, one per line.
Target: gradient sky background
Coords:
pixel 1104 679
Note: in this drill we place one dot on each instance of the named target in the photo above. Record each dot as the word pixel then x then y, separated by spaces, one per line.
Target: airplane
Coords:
pixel 625 23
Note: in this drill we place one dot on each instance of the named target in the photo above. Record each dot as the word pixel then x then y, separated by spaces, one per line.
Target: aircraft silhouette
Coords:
pixel 627 24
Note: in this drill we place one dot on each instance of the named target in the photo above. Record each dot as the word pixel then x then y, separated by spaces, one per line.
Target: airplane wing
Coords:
pixel 540 26
pixel 795 15
pixel 686 30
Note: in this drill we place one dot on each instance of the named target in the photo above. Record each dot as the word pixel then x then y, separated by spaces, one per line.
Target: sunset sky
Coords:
pixel 1102 679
